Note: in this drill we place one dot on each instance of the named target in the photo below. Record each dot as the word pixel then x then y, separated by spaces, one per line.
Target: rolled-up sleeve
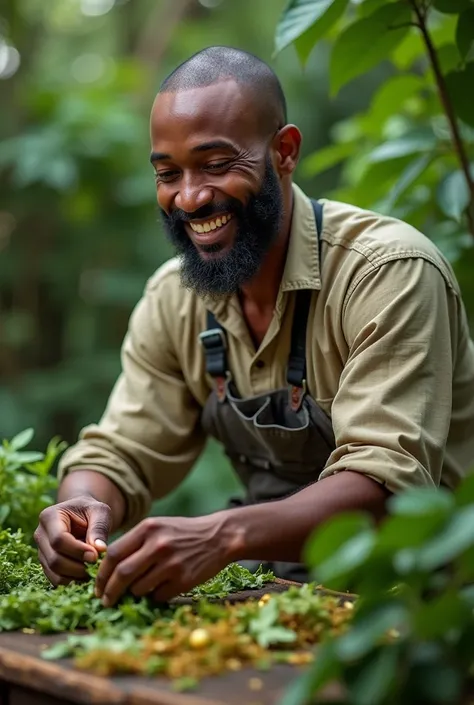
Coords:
pixel 149 436
pixel 392 410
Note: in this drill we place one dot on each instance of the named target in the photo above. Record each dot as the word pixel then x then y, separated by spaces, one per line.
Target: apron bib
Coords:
pixel 277 442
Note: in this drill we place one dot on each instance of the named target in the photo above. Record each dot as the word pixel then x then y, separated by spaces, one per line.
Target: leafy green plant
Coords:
pixel 26 482
pixel 412 637
pixel 411 153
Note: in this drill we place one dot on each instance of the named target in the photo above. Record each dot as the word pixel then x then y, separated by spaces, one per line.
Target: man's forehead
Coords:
pixel 224 107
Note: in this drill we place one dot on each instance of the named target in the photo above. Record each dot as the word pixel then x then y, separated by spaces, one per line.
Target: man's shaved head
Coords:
pixel 220 63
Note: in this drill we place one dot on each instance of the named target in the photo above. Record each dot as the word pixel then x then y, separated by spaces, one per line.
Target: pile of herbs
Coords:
pixel 27 600
pixel 412 636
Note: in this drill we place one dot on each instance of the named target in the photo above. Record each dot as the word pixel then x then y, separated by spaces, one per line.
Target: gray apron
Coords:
pixel 278 442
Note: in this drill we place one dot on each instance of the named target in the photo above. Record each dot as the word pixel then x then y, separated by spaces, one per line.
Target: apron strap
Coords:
pixel 214 339
pixel 296 372
pixel 214 342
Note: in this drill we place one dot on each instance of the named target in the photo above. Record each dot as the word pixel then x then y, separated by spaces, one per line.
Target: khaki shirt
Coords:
pixel 389 359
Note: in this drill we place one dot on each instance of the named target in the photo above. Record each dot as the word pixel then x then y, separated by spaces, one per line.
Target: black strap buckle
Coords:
pixel 213 339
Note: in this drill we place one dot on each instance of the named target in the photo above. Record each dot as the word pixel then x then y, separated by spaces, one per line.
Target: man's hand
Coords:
pixel 69 534
pixel 164 556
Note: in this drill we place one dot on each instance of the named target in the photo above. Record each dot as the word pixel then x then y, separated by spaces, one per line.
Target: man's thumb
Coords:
pixel 99 526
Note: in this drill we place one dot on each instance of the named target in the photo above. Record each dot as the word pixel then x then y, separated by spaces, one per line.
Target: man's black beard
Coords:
pixel 258 224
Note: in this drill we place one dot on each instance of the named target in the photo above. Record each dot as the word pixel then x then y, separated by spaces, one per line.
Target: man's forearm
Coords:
pixel 277 531
pixel 94 484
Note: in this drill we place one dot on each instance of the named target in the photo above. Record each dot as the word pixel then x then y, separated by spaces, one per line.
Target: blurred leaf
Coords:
pixel 437 617
pixel 375 680
pixel 420 501
pixel 412 172
pixel 464 493
pixel 453 540
pixel 459 85
pixel 421 140
pixel 465 32
pixel 332 535
pixel 366 42
pixel 22 439
pixel 365 633
pixel 326 158
pixel 452 7
pixel 453 195
pixel 306 42
pixel 393 94
pixel 334 572
pixel 297 18
pixel 404 530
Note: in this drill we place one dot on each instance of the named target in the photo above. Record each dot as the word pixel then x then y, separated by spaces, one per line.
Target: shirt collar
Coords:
pixel 302 267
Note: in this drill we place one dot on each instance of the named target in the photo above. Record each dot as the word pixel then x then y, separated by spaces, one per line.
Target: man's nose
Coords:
pixel 192 196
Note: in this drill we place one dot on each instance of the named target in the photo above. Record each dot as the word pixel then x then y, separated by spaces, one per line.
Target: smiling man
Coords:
pixel 326 347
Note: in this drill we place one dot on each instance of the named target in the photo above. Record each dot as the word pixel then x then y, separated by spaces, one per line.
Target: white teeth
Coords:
pixel 211 225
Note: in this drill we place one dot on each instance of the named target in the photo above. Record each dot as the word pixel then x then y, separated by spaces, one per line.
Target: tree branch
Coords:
pixel 459 146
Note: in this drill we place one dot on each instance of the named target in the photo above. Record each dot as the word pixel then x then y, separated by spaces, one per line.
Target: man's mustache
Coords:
pixel 210 209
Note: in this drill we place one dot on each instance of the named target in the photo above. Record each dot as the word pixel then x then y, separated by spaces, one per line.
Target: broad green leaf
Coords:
pixel 367 42
pixel 4 512
pixel 453 195
pixel 368 7
pixel 449 57
pixel 375 680
pixel 419 501
pixel 422 140
pixel 398 532
pixel 28 457
pixel 305 43
pixel 298 17
pixel 22 439
pixel 452 7
pixel 435 618
pixel 326 158
pixel 464 493
pixel 453 540
pixel 412 172
pixel 366 632
pixel 332 535
pixel 392 95
pixel 352 554
pixel 459 84
pixel 465 32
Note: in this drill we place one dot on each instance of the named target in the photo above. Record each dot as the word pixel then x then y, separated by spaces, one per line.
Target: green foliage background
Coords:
pixel 79 230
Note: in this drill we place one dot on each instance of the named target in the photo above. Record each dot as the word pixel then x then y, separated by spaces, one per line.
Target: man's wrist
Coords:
pixel 232 534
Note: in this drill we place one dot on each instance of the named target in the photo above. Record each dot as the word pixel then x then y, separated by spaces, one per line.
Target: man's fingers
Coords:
pixel 166 591
pixel 62 566
pixel 53 577
pixel 153 579
pixel 117 552
pixel 55 531
pixel 125 574
pixel 99 522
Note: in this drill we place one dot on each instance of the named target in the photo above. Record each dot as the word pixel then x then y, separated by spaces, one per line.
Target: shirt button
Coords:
pixel 260 364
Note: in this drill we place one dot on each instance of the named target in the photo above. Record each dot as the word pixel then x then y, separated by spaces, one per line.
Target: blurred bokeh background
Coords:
pixel 79 231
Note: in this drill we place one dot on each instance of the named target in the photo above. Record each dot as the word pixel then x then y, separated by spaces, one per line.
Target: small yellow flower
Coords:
pixel 199 639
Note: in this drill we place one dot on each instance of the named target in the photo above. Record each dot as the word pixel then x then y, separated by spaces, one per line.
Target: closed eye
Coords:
pixel 165 175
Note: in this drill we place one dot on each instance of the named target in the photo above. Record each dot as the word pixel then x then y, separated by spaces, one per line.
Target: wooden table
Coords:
pixel 28 679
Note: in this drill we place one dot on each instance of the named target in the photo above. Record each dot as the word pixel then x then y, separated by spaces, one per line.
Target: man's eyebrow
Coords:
pixel 204 147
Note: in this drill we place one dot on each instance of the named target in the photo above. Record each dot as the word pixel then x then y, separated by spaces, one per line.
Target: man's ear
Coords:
pixel 286 145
